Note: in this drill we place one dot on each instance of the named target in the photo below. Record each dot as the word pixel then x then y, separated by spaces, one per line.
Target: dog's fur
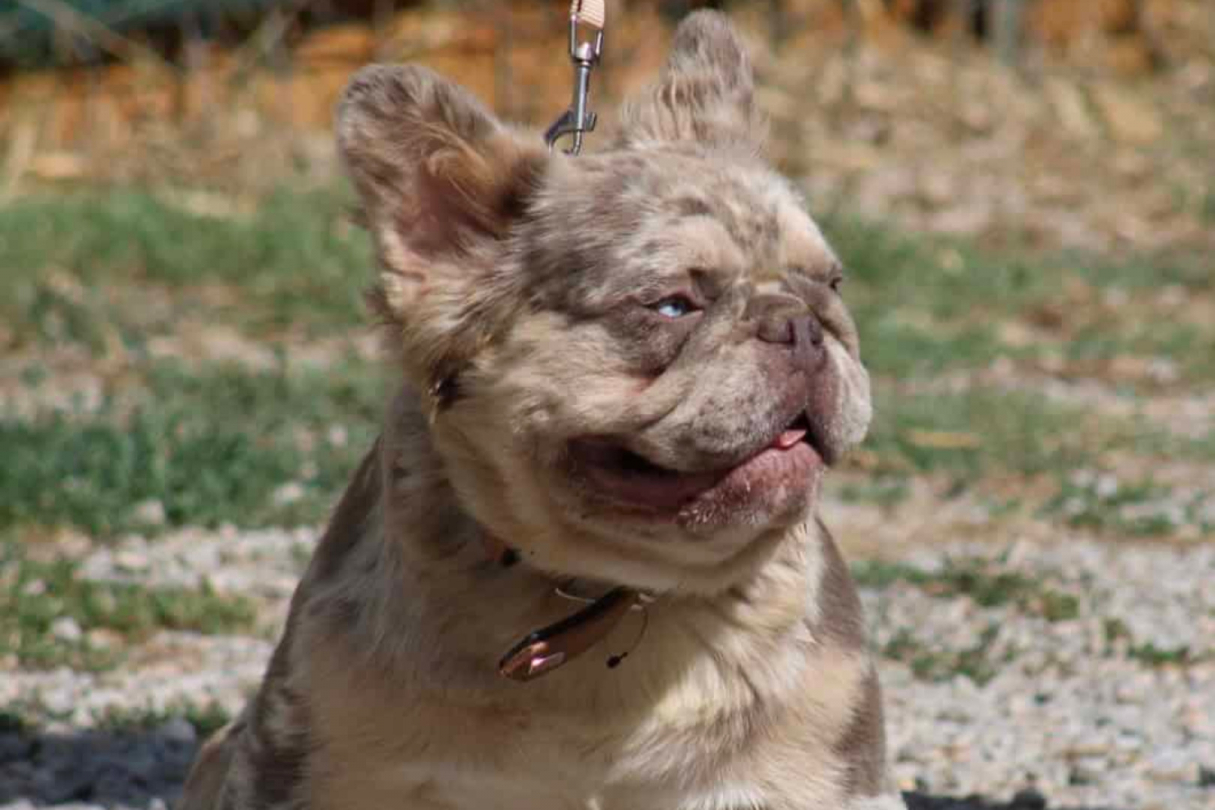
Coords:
pixel 529 296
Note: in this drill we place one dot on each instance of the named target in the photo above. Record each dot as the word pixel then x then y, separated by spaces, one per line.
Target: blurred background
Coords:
pixel 1023 192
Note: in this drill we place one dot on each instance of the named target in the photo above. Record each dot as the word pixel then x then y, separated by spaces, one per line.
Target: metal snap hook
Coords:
pixel 579 119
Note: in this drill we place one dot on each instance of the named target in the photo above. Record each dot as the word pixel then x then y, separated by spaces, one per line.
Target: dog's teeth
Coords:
pixel 789 438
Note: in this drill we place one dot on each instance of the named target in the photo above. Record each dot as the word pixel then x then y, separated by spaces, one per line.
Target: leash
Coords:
pixel 587 19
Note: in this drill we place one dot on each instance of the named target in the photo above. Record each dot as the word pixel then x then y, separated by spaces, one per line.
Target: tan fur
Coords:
pixel 523 295
pixel 211 767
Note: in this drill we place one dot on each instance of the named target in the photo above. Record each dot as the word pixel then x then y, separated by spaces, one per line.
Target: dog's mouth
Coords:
pixel 792 458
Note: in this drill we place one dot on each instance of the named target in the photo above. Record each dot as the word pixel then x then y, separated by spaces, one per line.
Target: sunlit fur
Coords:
pixel 513 288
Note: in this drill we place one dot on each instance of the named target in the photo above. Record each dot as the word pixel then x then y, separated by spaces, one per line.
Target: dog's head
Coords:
pixel 638 361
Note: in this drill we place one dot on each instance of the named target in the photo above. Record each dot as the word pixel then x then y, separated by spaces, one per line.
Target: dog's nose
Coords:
pixel 777 330
pixel 803 331
pixel 807 331
pixel 784 320
pixel 774 316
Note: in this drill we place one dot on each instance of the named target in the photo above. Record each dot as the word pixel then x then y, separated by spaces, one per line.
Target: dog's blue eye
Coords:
pixel 674 307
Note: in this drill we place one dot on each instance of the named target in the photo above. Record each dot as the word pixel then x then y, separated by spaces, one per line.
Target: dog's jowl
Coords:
pixel 582 567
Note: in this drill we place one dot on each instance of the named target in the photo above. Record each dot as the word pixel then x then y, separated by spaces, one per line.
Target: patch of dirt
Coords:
pixel 954 143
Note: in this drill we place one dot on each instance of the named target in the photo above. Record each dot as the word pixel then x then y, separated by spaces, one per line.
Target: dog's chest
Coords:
pixel 547 780
pixel 511 795
pixel 442 756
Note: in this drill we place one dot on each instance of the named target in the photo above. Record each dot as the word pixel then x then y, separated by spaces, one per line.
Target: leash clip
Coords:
pixel 584 53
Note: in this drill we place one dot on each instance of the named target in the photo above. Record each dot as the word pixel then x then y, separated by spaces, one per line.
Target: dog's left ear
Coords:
pixel 442 182
pixel 705 95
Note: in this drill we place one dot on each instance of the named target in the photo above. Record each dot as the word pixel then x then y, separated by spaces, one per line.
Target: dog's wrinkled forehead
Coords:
pixel 618 220
pixel 473 219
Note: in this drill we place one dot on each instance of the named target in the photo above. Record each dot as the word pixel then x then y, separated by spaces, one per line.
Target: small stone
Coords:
pixel 131 560
pixel 65 628
pixel 338 436
pixel 1086 749
pixel 178 729
pixel 1173 766
pixel 59 701
pixel 288 494
pixel 1107 486
pixel 103 638
pixel 150 512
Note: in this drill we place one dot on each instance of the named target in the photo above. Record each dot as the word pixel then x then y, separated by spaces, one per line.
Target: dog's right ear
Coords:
pixel 705 95
pixel 441 182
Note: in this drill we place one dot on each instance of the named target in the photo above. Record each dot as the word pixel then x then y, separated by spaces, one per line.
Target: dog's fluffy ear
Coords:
pixel 705 95
pixel 441 183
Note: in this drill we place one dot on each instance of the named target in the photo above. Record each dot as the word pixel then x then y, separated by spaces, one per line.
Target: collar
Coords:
pixel 543 650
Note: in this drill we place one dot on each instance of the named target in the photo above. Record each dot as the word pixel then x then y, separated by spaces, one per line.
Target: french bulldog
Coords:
pixel 582 565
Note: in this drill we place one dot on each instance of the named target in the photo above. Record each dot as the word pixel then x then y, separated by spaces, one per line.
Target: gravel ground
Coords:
pixel 91 770
pixel 1111 705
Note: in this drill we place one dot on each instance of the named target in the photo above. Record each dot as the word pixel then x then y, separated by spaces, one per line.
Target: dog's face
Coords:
pixel 638 362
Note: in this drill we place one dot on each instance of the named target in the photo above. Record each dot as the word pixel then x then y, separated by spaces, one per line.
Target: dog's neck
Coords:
pixel 429 571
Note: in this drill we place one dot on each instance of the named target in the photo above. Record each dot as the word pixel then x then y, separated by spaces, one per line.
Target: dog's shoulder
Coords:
pixel 211 766
pixel 259 759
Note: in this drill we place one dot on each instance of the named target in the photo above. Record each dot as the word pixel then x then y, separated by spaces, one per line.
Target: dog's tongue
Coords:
pixel 788 438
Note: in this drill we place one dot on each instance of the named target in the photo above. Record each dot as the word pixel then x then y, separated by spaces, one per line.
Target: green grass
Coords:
pixel 924 305
pixel 975 580
pixel 296 260
pixel 929 662
pixel 932 304
pixel 108 270
pixel 29 717
pixel 1190 349
pixel 1117 633
pixel 916 302
pixel 885 491
pixel 977 432
pixel 1155 656
pixel 1019 440
pixel 891 346
pixel 205 718
pixel 1207 207
pixel 37 594
pixel 945 279
pixel 210 446
pixel 1140 508
pixel 949 276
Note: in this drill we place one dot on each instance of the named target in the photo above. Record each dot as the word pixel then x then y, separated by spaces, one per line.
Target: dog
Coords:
pixel 625 375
